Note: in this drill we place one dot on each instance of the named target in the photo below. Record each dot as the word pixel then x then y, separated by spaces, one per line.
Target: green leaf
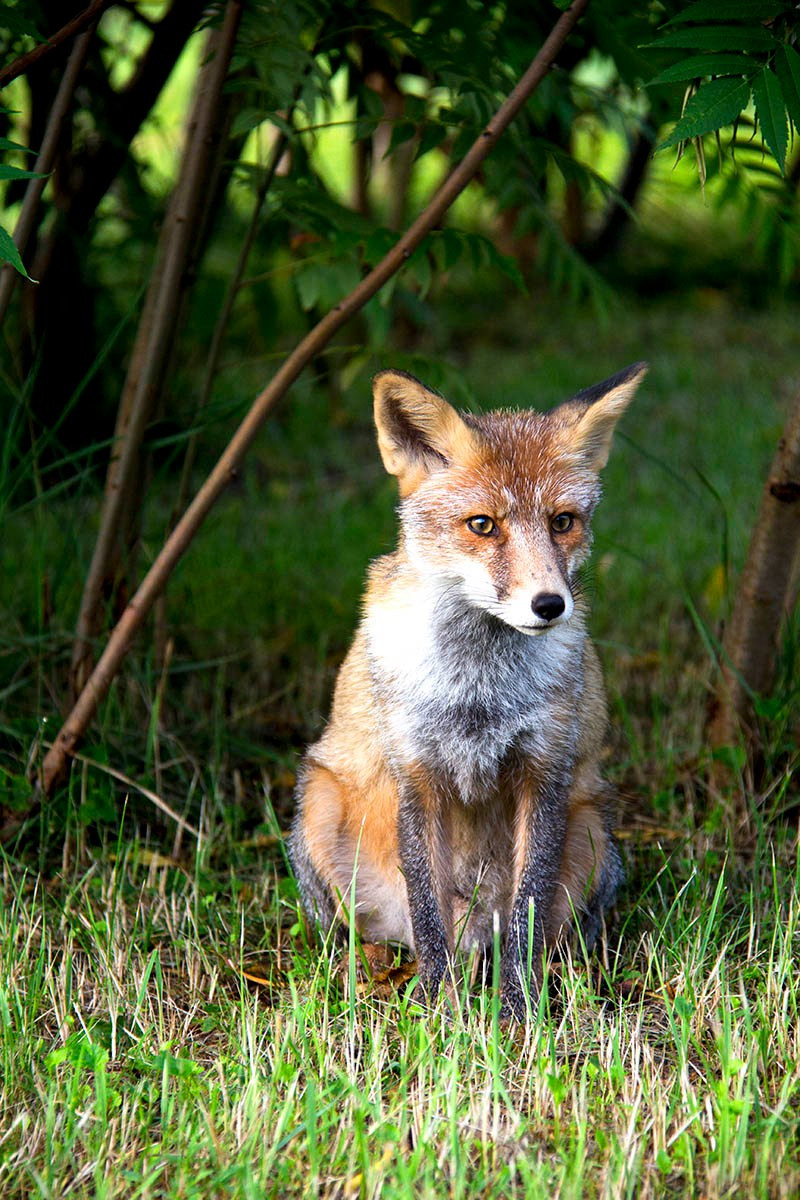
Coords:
pixel 247 119
pixel 432 136
pixel 7 172
pixel 10 254
pixel 787 64
pixel 771 114
pixel 706 64
pixel 663 1162
pixel 19 26
pixel 421 266
pixel 402 132
pixel 717 37
pixel 308 282
pixel 730 10
pixel 448 247
pixel 5 144
pixel 714 105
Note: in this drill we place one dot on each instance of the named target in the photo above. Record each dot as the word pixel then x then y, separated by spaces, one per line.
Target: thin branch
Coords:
pixel 147 792
pixel 44 164
pixel 22 64
pixel 232 292
pixel 156 329
pixel 56 761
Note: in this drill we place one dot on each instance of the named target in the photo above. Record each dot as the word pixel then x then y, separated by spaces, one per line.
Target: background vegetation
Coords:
pixel 166 1029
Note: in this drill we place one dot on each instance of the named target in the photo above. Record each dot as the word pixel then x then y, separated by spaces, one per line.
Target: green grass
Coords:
pixel 139 1061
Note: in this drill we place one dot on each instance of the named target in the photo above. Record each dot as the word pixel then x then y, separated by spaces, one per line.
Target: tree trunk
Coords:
pixel 155 337
pixel 767 592
pixel 608 237
pixel 28 217
pixel 57 333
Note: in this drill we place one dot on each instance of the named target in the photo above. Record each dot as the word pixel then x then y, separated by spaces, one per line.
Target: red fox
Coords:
pixel 457 783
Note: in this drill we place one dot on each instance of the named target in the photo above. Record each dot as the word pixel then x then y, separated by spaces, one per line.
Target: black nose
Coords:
pixel 548 606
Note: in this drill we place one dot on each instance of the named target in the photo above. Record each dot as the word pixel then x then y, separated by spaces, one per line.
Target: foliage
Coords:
pixel 8 250
pixel 742 51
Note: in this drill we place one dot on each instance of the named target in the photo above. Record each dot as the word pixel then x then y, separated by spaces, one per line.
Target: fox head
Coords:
pixel 498 506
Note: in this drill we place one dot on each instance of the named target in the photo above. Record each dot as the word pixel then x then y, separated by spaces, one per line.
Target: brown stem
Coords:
pixel 766 592
pixel 156 329
pixel 234 285
pixel 22 64
pixel 56 761
pixel 44 164
pixel 212 361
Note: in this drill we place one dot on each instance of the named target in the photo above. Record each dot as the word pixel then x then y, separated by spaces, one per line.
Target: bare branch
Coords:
pixel 147 792
pixel 56 761
pixel 22 64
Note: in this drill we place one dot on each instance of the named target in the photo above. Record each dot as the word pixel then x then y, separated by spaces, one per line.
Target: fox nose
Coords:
pixel 548 606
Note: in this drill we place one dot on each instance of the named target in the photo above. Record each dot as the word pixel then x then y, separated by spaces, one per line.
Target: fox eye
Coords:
pixel 483 526
pixel 562 523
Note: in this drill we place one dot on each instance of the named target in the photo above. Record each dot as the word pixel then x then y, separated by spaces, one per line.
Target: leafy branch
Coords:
pixel 742 51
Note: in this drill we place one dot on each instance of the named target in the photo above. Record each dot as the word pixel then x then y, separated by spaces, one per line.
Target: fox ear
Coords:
pixel 418 431
pixel 596 411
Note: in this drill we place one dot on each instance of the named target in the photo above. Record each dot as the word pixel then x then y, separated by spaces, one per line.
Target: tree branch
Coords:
pixel 56 761
pixel 24 63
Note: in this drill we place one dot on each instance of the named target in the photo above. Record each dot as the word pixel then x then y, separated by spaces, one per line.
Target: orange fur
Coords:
pixel 458 777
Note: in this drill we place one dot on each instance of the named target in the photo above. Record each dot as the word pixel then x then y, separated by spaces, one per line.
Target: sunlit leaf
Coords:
pixel 713 105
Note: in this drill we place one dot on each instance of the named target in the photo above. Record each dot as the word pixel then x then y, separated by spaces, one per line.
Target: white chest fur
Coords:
pixel 460 688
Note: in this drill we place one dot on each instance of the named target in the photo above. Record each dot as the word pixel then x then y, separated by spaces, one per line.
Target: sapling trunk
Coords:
pixel 155 335
pixel 766 594
pixel 44 164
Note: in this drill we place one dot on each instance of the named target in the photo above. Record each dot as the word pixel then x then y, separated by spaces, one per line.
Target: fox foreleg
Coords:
pixel 540 838
pixel 315 895
pixel 423 850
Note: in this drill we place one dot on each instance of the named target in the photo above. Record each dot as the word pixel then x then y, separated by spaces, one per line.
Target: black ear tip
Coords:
pixel 598 390
pixel 637 368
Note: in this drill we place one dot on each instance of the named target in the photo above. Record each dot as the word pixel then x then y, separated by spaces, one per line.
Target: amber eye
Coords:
pixel 562 523
pixel 483 526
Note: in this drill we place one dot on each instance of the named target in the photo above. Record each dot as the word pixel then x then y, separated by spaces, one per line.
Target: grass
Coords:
pixel 137 1060
pixel 167 1030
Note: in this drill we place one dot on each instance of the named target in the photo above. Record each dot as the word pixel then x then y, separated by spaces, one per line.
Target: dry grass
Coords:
pixel 137 1060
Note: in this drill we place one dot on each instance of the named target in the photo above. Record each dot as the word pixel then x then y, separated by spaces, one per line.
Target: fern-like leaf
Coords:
pixel 771 114
pixel 713 106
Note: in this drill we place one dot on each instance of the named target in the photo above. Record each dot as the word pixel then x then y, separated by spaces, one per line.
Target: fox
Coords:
pixel 457 790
